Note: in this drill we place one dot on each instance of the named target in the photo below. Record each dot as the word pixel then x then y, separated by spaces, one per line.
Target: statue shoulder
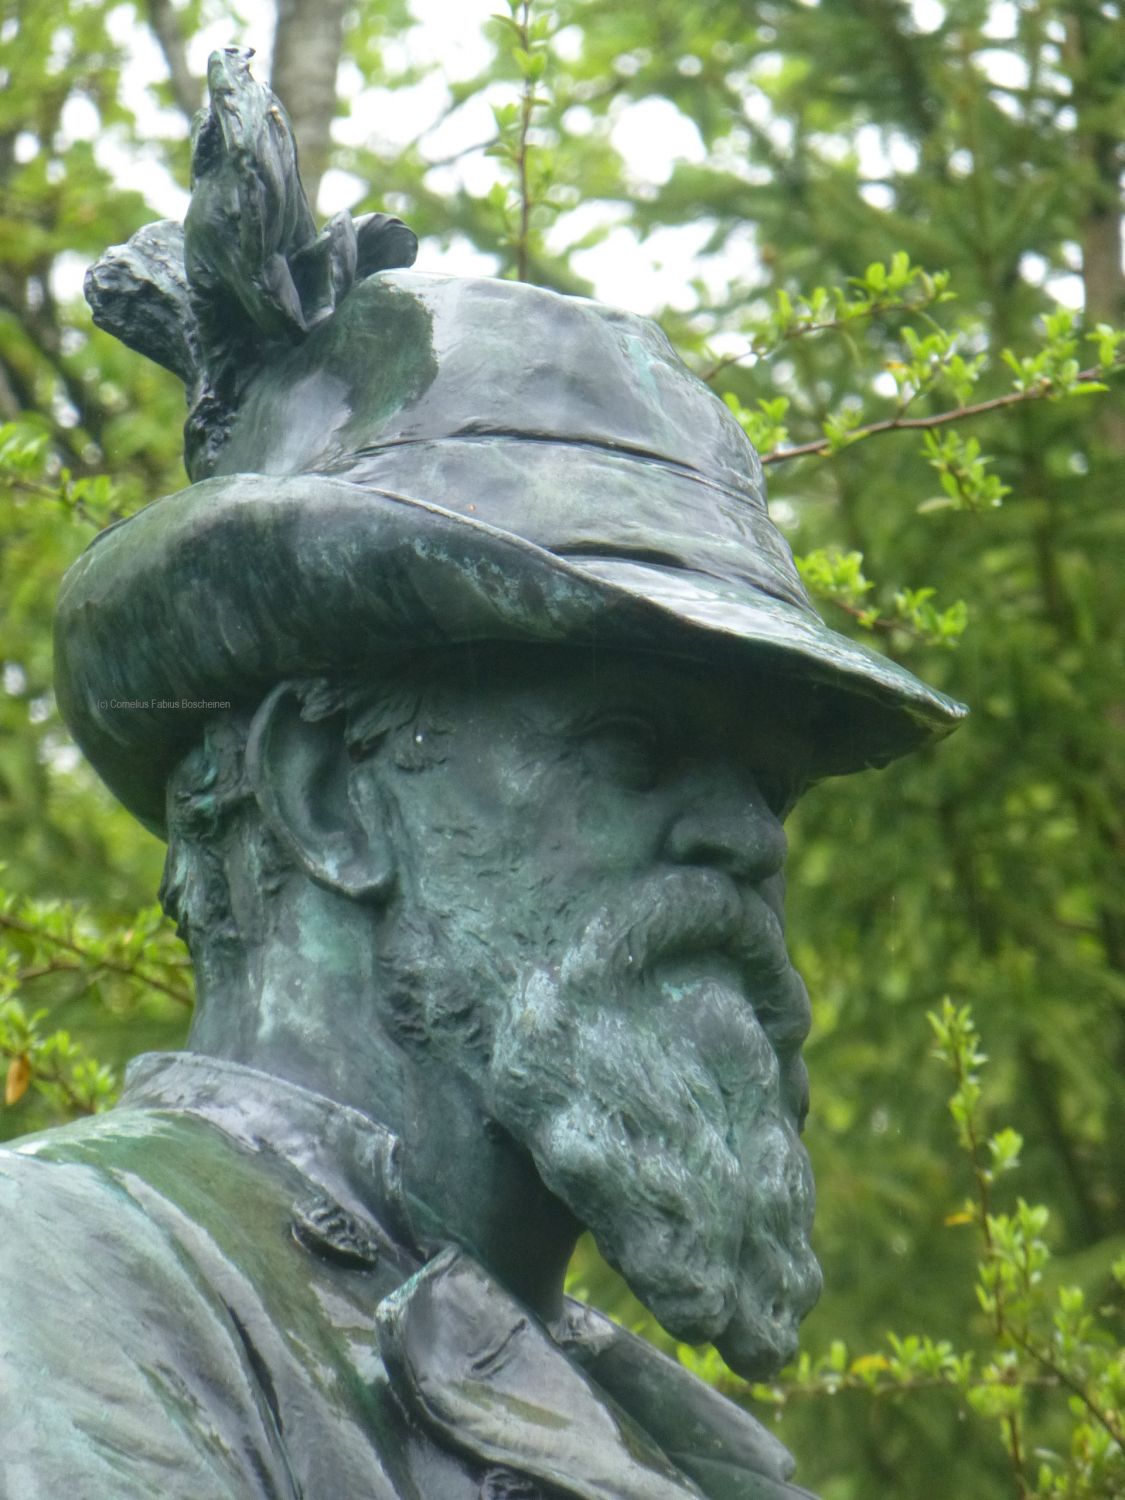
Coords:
pixel 57 1182
pixel 110 1338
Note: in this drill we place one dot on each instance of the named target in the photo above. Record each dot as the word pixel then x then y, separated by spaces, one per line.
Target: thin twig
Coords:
pixel 117 966
pixel 879 622
pixel 1015 1453
pixel 812 1388
pixel 527 106
pixel 938 419
pixel 1103 1418
pixel 43 491
pixel 982 1180
pixel 804 327
pixel 980 1175
pixel 53 1076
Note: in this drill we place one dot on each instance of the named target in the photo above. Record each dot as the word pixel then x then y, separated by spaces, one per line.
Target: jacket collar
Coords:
pixel 573 1407
pixel 474 1366
pixel 348 1159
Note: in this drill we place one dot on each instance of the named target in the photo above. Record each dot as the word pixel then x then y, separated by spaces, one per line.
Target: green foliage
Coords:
pixel 947 428
pixel 525 207
pixel 133 979
pixel 1041 1337
pixel 1046 1365
pixel 931 364
pixel 28 468
pixel 880 291
pixel 838 577
pixel 59 1067
pixel 962 469
pixel 765 426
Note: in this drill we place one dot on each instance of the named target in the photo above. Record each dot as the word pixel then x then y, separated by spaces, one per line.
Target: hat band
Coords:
pixel 607 501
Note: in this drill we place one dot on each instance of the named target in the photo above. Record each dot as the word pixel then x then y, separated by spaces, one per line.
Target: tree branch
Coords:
pixel 917 424
pixel 187 89
pixel 97 960
pixel 733 1387
pixel 1104 1418
pixel 57 1078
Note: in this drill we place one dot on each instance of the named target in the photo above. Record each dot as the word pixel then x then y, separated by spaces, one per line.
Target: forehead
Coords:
pixel 707 708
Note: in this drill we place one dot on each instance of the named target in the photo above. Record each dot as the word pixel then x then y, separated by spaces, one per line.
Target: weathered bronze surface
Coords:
pixel 470 685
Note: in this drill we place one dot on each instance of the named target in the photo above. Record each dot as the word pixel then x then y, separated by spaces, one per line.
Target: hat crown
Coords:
pixel 410 357
pixel 572 425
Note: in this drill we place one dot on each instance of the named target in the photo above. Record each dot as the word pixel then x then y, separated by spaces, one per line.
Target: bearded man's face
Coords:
pixel 592 872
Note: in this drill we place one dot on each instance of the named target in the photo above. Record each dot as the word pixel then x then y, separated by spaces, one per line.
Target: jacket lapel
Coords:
pixel 728 1453
pixel 475 1366
pixel 485 1376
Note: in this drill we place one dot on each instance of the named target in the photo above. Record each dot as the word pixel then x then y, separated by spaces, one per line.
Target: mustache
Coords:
pixel 684 914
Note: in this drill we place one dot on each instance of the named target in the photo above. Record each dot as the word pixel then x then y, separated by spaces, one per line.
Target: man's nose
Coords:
pixel 727 823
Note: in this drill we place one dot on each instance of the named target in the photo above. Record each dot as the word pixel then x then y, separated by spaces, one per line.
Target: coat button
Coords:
pixel 330 1231
pixel 506 1484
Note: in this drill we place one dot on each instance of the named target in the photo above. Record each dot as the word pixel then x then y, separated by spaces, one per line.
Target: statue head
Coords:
pixel 472 685
pixel 554 879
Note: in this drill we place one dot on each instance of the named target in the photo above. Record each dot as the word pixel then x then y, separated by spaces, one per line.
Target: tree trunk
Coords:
pixel 187 90
pixel 306 55
pixel 1102 277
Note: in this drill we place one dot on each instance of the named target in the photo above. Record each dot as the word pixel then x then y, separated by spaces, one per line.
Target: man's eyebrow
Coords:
pixel 628 701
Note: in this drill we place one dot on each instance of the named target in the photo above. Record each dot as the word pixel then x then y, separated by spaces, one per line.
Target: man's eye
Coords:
pixel 624 750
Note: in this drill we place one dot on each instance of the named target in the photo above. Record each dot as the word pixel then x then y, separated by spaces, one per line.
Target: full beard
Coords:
pixel 654 1075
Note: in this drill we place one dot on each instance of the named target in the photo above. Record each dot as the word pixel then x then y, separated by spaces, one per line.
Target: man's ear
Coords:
pixel 300 773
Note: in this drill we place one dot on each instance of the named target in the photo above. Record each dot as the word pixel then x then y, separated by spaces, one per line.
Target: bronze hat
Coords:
pixel 448 460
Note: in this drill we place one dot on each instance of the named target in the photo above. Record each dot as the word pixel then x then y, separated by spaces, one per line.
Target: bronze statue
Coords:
pixel 470 685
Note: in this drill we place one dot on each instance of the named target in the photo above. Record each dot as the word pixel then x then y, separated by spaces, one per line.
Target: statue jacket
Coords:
pixel 212 1292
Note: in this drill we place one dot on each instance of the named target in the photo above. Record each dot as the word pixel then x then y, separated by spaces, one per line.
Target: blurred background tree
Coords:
pixel 713 164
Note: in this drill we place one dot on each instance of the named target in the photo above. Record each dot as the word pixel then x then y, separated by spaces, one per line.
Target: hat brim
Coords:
pixel 201 602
